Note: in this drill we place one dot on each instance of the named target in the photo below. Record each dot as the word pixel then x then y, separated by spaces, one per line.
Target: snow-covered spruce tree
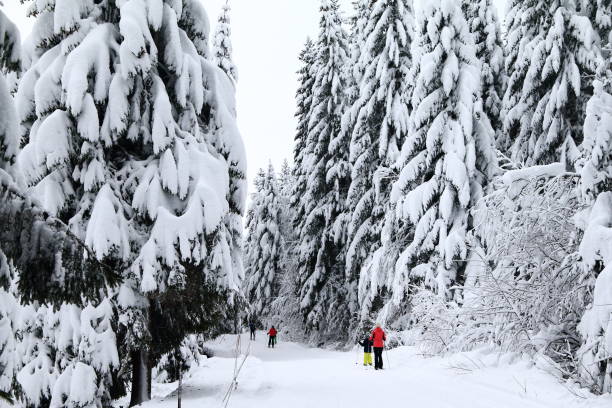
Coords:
pixel 301 151
pixel 228 143
pixel 36 349
pixel 67 125
pixel 444 158
pixel 286 183
pixel 38 245
pixel 63 353
pixel 8 322
pixel 68 160
pixel 144 120
pixel 265 245
pixel 353 71
pixel 595 168
pixel 9 60
pixel 482 20
pixel 184 180
pixel 378 126
pixel 325 164
pixel 10 45
pixel 526 22
pixel 556 88
pixel 600 14
pixel 559 73
pixel 222 42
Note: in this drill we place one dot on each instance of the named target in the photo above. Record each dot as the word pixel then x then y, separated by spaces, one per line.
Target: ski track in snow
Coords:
pixel 296 376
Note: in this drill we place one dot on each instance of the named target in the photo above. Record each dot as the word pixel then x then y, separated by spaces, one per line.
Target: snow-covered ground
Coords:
pixel 296 376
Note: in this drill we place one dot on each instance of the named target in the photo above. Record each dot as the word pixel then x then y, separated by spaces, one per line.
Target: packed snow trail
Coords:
pixel 292 375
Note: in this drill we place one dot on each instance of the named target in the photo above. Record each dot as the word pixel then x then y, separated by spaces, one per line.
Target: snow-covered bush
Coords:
pixel 175 363
pixel 524 289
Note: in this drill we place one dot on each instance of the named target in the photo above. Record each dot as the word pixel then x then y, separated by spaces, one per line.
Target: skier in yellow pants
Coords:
pixel 367 350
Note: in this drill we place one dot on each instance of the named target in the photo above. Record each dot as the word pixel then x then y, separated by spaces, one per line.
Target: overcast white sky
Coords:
pixel 268 36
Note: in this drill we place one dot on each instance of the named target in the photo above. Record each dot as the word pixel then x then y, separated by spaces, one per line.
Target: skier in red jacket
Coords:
pixel 378 337
pixel 272 339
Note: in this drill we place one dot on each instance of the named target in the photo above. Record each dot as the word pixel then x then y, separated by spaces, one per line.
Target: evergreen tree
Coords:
pixel 547 118
pixel 595 167
pixel 483 24
pixel 223 43
pixel 185 182
pixel 265 245
pixel 557 84
pixel 379 126
pixel 354 70
pixel 325 164
pixel 37 371
pixel 440 163
pixel 600 14
pixel 130 137
pixel 526 21
pixel 33 242
pixel 286 183
pixel 10 61
pixel 302 149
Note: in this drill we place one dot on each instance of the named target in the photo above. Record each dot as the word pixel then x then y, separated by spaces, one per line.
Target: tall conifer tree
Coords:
pixel 325 164
pixel 265 245
pixel 443 158
pixel 378 124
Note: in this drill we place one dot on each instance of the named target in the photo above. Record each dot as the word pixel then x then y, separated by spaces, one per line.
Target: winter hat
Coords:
pixel 377 324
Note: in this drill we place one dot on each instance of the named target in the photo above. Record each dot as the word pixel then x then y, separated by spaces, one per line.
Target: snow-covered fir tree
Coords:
pixel 184 180
pixel 130 137
pixel 222 42
pixel 353 71
pixel 595 168
pixel 558 79
pixel 68 152
pixel 265 245
pixel 10 45
pixel 483 23
pixel 440 159
pixel 38 373
pixel 303 96
pixel 325 164
pixel 8 303
pixel 600 14
pixel 286 182
pixel 526 22
pixel 378 125
pixel 553 93
pixel 10 61
pixel 66 161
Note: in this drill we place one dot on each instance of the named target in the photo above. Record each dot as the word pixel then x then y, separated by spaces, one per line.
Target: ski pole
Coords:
pixel 387 353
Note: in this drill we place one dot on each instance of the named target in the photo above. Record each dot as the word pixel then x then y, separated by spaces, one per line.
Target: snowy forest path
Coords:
pixel 293 375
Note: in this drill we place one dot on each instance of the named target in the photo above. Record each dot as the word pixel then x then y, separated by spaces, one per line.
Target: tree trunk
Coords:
pixel 180 388
pixel 141 377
